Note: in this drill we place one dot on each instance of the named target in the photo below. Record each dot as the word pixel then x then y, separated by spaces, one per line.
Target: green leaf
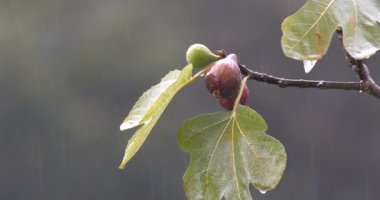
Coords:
pixel 149 108
pixel 228 151
pixel 307 33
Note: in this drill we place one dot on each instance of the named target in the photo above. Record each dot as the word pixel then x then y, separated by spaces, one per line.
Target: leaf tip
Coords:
pixel 123 163
pixel 121 166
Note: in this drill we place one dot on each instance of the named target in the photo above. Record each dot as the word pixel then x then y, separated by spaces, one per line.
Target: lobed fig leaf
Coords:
pixel 308 32
pixel 200 56
pixel 229 151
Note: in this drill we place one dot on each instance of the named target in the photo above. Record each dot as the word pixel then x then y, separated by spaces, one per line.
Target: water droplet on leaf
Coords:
pixel 308 65
pixel 263 191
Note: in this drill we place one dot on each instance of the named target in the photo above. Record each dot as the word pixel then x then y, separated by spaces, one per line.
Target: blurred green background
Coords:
pixel 71 70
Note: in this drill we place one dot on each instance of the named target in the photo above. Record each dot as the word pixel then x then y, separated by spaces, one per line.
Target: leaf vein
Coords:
pixel 214 150
pixel 233 158
pixel 200 130
pixel 314 24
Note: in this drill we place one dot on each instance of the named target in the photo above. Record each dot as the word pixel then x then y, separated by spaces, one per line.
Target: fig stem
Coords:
pixel 242 85
pixel 203 71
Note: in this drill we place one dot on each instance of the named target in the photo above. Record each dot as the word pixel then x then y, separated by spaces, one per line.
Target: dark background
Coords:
pixel 71 70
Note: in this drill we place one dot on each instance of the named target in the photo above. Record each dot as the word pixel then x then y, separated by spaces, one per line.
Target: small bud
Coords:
pixel 200 56
pixel 224 78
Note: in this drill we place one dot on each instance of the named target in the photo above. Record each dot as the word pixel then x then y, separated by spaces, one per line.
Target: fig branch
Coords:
pixel 361 69
pixel 366 83
pixel 300 83
pixel 223 79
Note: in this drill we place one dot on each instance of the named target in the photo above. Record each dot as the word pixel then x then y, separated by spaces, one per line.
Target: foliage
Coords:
pixel 149 108
pixel 307 33
pixel 228 151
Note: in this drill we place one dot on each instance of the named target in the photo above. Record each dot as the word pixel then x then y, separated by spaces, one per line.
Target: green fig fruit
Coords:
pixel 200 56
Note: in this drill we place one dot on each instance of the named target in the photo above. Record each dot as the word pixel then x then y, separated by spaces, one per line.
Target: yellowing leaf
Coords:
pixel 307 33
pixel 149 108
pixel 229 151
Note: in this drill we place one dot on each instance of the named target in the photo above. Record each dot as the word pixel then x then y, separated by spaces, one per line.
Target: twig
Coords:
pixel 366 83
pixel 300 83
pixel 361 69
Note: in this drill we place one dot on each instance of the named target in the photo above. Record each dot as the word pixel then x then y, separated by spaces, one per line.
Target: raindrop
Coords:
pixel 288 7
pixel 262 57
pixel 308 65
pixel 321 84
pixel 263 191
pixel 361 86
pixel 281 84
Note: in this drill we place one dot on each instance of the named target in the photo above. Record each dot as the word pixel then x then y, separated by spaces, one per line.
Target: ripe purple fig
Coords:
pixel 229 103
pixel 244 96
pixel 224 78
